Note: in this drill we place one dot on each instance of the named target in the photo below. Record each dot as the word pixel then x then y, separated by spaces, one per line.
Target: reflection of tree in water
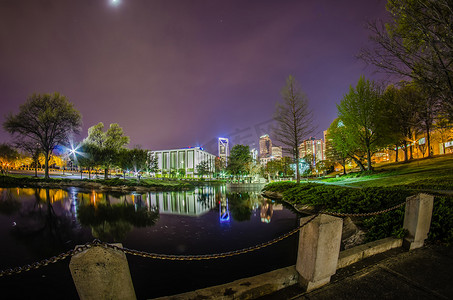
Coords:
pixel 41 229
pixel 8 204
pixel 241 206
pixel 111 222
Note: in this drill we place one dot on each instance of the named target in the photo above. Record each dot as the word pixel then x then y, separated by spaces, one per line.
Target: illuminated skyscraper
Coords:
pixel 265 146
pixel 277 152
pixel 224 149
pixel 314 147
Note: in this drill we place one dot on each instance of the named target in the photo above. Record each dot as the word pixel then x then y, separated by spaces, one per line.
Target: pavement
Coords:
pixel 424 273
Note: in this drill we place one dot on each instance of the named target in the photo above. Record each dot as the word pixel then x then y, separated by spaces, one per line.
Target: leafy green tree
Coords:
pixel 417 43
pixel 124 161
pixel 293 118
pixel 336 151
pixel 90 156
pixel 273 168
pixel 203 168
pixel 360 111
pixel 238 160
pixel 109 143
pixel 46 120
pixel 287 171
pixel 401 114
pixel 152 163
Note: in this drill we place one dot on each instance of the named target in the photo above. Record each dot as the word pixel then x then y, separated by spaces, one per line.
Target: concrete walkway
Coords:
pixel 425 273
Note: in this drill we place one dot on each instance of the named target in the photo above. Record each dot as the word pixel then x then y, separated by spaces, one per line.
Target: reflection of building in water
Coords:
pixel 190 203
pixel 224 211
pixel 266 212
pixel 277 206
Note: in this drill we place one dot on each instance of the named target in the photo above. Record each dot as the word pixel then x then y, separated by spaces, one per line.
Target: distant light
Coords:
pixel 115 2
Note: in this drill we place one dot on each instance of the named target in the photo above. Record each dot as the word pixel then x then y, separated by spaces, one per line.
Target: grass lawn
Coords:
pixel 388 185
pixel 427 174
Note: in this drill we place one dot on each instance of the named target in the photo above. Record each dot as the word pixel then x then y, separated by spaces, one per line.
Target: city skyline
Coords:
pixel 164 71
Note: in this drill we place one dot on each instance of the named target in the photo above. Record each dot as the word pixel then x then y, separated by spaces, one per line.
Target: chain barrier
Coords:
pixel 98 243
pixel 375 213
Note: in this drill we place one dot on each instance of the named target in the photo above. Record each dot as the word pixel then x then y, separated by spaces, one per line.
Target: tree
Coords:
pixel 417 43
pixel 203 168
pixel 238 160
pixel 8 155
pixel 335 152
pixel 360 111
pixel 401 115
pixel 293 118
pixel 444 130
pixel 109 143
pixel 46 120
pixel 89 156
pixel 32 149
pixel 152 162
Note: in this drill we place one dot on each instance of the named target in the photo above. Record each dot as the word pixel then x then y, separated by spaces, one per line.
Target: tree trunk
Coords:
pixel 106 173
pixel 396 153
pixel 359 163
pixel 297 166
pixel 368 159
pixel 46 165
pixel 405 151
pixel 428 140
pixel 344 166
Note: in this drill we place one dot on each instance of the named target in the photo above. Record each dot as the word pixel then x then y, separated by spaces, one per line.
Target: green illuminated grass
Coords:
pixel 426 174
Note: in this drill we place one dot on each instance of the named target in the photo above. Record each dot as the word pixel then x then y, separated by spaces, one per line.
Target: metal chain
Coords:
pixel 45 262
pixel 210 256
pixel 98 243
pixel 338 214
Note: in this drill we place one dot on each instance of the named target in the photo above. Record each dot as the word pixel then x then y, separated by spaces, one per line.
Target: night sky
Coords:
pixel 182 73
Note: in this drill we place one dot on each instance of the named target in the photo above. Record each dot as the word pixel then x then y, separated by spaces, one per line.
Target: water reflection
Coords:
pixel 112 215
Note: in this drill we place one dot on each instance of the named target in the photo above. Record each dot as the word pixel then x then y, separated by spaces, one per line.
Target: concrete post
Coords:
pixel 319 248
pixel 417 220
pixel 102 273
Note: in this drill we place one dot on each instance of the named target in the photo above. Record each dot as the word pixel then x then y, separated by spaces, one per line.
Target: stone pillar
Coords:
pixel 417 220
pixel 102 273
pixel 319 248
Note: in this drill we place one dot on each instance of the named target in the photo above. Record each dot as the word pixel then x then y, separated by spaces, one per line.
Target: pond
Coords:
pixel 40 223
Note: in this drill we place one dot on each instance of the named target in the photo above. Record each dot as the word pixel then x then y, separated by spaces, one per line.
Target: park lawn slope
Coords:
pixel 422 174
pixel 365 200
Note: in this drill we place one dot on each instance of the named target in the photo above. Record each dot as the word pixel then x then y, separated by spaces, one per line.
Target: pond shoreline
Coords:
pixel 98 185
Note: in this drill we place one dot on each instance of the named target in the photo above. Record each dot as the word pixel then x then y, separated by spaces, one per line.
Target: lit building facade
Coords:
pixel 314 147
pixel 186 159
pixel 277 152
pixel 265 146
pixel 223 149
pixel 254 154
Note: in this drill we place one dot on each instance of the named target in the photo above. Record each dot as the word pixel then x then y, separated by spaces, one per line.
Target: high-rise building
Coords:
pixel 265 146
pixel 223 149
pixel 254 154
pixel 314 147
pixel 277 152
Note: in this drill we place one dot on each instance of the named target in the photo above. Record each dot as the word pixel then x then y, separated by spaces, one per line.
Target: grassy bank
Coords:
pixel 369 199
pixel 152 184
pixel 421 174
